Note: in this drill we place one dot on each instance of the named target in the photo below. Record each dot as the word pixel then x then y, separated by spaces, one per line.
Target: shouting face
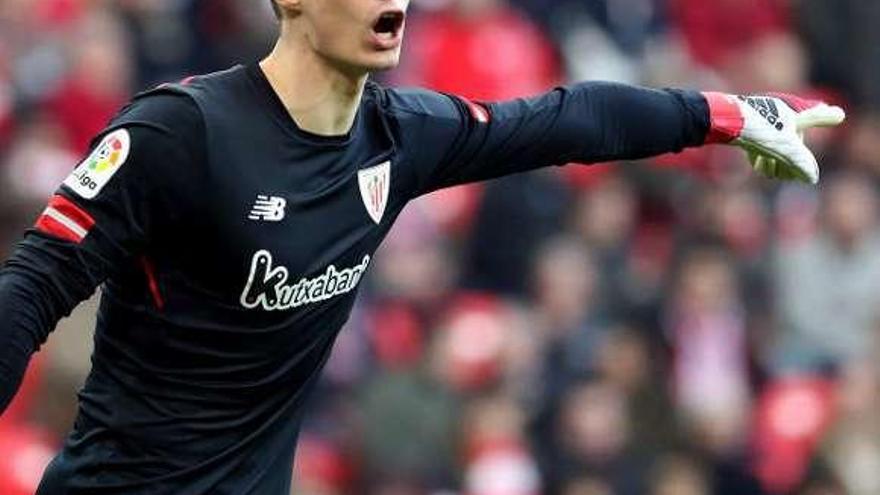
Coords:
pixel 354 35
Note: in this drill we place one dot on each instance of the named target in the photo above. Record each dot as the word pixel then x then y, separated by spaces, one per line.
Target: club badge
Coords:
pixel 375 183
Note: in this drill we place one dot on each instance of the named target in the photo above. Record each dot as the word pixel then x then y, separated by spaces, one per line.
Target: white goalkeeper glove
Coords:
pixel 771 130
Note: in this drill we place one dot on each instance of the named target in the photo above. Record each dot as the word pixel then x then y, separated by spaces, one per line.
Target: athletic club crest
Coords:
pixel 375 182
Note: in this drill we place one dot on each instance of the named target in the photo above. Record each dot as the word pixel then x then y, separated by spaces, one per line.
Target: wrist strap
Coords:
pixel 726 119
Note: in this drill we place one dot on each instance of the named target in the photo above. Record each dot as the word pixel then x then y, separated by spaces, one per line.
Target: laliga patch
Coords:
pixel 374 184
pixel 95 172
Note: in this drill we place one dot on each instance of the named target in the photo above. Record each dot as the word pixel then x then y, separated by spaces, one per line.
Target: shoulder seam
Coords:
pixel 394 107
pixel 168 91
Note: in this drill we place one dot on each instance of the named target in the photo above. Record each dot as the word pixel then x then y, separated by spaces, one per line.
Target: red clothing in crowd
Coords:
pixel 495 55
pixel 82 112
pixel 713 30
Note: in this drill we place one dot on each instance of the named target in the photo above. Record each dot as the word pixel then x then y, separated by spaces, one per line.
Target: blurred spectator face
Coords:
pixel 498 460
pixel 594 423
pixel 749 69
pixel 679 476
pixel 413 263
pixel 608 213
pixel 706 282
pixel 492 421
pixel 789 68
pixel 586 486
pixel 624 358
pixel 851 209
pixel 739 217
pixel 864 142
pixel 565 280
pixel 101 58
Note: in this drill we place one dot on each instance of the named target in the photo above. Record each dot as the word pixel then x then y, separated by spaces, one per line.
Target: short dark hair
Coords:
pixel 276 9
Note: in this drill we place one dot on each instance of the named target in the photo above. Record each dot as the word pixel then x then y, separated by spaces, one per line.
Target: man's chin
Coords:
pixel 383 62
pixel 373 62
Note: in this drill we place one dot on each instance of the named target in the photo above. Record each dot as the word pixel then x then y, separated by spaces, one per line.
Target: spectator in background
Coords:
pixel 706 326
pixel 853 447
pixel 734 39
pixel 679 475
pixel 626 360
pixel 564 291
pixel 410 416
pixel 717 31
pixel 515 214
pixel 38 162
pixel 184 37
pixel 485 50
pixel 98 82
pixel 479 49
pixel 498 461
pixel 844 43
pixel 606 219
pixel 594 436
pixel 829 284
pixel 585 485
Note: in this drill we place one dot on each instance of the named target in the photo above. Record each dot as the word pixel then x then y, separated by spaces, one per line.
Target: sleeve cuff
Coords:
pixel 726 119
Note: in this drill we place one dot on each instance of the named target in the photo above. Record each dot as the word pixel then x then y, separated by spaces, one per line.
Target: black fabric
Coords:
pixel 46 278
pixel 586 123
pixel 257 234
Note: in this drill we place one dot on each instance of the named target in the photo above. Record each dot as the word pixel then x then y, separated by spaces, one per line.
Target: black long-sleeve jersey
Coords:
pixel 231 244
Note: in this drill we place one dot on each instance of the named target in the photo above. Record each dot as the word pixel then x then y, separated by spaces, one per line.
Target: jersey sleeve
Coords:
pixel 102 218
pixel 457 141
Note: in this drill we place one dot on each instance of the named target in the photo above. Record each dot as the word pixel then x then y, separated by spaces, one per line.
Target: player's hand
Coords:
pixel 771 129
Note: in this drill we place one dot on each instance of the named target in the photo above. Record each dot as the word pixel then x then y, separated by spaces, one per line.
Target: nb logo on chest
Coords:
pixel 268 286
pixel 268 209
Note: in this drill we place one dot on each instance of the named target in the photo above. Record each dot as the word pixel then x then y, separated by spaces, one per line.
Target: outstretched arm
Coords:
pixel 463 141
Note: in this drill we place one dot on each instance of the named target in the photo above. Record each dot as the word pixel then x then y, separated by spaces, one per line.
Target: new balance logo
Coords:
pixel 767 108
pixel 268 209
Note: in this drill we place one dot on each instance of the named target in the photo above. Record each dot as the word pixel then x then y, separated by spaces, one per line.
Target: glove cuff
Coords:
pixel 726 118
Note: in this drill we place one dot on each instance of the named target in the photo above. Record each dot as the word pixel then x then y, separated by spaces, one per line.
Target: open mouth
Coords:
pixel 389 24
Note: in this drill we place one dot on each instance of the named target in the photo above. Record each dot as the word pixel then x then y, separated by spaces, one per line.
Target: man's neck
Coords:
pixel 321 98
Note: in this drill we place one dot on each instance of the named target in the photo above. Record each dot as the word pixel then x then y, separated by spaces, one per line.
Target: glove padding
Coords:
pixel 771 130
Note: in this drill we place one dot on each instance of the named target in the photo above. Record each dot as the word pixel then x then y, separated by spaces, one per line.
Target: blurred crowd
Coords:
pixel 669 327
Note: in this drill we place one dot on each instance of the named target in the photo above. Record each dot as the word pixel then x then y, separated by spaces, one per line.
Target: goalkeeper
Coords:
pixel 232 216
